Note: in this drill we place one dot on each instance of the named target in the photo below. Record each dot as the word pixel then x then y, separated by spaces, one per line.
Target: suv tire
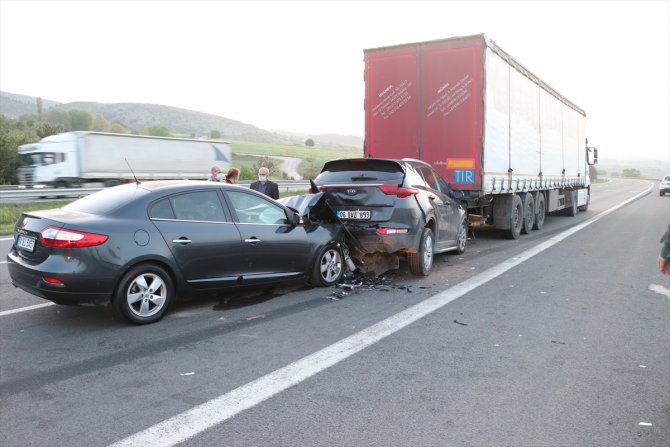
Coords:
pixel 421 262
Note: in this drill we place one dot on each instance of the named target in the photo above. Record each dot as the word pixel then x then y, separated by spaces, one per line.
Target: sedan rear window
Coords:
pixel 107 200
pixel 361 170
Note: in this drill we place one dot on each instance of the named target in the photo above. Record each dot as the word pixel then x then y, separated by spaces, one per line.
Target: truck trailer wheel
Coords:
pixel 540 211
pixel 508 215
pixel 528 213
pixel 112 183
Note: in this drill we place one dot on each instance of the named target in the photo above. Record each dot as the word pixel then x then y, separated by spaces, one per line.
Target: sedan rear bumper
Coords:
pixel 73 289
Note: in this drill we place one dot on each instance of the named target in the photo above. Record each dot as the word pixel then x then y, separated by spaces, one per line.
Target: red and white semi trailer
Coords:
pixel 493 129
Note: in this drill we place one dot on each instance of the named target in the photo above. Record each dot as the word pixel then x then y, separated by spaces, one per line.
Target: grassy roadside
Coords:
pixel 313 159
pixel 10 212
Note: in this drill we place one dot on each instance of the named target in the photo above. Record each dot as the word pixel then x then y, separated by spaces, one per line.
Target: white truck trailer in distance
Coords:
pixel 73 158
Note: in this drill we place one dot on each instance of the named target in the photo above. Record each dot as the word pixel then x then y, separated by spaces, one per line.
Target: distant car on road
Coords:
pixel 664 186
pixel 392 206
pixel 138 246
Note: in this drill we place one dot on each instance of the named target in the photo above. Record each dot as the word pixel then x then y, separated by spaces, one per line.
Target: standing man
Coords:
pixel 664 258
pixel 216 175
pixel 264 185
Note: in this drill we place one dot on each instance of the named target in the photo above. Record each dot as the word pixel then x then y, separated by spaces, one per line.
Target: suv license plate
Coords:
pixel 27 243
pixel 356 214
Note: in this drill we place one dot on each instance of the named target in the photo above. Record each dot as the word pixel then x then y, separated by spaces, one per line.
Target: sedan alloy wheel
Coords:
pixel 144 294
pixel 329 267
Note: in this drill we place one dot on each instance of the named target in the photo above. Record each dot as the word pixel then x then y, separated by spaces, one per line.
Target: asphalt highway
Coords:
pixel 558 338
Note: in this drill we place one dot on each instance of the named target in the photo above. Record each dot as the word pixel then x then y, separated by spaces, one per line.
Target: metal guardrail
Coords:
pixel 15 192
pixel 31 193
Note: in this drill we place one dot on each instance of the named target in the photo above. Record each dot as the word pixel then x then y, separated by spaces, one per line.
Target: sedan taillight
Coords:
pixel 59 238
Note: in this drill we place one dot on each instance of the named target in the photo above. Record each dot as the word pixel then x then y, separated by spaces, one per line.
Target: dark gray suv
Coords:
pixel 398 207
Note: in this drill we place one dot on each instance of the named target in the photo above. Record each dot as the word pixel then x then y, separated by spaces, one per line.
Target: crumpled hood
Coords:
pixel 310 206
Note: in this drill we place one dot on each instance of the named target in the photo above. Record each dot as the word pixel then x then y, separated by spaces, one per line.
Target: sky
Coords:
pixel 297 66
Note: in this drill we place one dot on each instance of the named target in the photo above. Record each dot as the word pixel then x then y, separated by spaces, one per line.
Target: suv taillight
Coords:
pixel 59 238
pixel 394 190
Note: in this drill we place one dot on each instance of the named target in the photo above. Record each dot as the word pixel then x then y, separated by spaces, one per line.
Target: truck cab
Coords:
pixel 50 163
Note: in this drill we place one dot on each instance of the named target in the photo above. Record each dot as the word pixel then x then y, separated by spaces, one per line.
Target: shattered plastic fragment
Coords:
pixel 462 324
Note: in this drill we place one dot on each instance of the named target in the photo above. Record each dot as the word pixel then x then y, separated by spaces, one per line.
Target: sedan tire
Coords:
pixel 329 267
pixel 421 262
pixel 143 294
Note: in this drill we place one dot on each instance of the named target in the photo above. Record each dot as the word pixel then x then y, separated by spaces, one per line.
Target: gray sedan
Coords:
pixel 138 246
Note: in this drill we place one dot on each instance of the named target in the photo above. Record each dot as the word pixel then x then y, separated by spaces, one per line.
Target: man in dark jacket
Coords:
pixel 264 185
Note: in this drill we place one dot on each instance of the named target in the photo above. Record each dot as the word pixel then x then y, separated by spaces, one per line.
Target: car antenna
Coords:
pixel 137 182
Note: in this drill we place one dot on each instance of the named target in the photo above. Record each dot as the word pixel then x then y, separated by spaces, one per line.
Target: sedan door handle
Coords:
pixel 253 240
pixel 182 240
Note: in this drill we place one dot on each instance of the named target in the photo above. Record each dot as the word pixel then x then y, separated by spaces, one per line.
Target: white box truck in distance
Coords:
pixel 73 158
pixel 494 130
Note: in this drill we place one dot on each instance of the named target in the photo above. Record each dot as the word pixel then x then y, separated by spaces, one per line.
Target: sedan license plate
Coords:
pixel 27 243
pixel 355 214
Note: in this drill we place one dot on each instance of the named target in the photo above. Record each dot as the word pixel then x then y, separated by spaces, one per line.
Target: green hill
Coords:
pixel 179 121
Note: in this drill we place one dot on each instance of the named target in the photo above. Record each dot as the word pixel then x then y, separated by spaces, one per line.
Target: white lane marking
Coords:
pixel 23 309
pixel 660 289
pixel 6 238
pixel 183 426
pixel 3 262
